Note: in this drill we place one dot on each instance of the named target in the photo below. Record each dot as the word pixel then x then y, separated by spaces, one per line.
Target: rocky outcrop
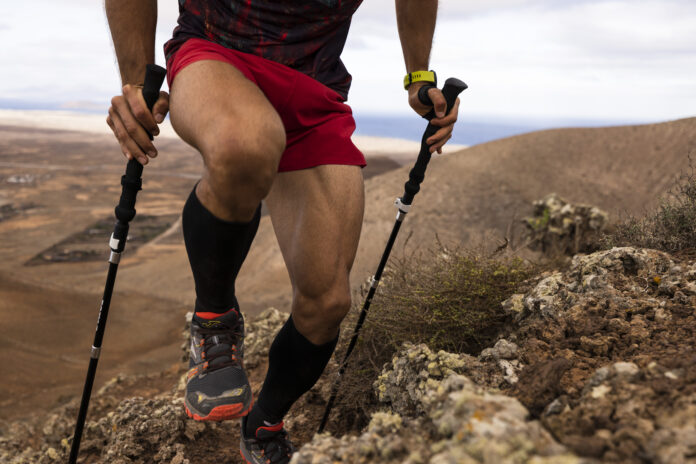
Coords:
pixel 133 429
pixel 599 366
pixel 259 336
pixel 557 226
pixel 608 354
pixel 437 415
pixel 136 430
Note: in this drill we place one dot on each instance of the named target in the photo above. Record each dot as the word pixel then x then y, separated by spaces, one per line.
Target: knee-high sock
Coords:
pixel 216 250
pixel 294 366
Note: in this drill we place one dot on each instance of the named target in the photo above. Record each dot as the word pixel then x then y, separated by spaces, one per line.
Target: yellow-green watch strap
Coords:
pixel 420 76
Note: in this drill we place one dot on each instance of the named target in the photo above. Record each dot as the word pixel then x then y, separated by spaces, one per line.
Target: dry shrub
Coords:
pixel 449 300
pixel 671 227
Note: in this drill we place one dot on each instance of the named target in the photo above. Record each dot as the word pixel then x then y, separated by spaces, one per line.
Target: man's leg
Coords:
pixel 239 134
pixel 241 138
pixel 317 216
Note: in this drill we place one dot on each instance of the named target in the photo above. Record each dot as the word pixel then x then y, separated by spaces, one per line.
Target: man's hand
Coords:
pixel 130 120
pixel 438 140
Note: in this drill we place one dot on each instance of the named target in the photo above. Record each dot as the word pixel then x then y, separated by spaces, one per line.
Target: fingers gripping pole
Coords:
pixel 125 212
pixel 453 87
pixel 131 182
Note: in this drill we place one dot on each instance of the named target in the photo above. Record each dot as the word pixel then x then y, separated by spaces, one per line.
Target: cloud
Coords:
pixel 381 8
pixel 589 59
pixel 584 58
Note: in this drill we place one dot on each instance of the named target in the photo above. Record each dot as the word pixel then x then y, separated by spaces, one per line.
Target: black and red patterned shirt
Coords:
pixel 306 35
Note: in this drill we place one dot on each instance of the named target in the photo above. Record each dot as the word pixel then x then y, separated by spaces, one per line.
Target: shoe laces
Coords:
pixel 210 343
pixel 276 448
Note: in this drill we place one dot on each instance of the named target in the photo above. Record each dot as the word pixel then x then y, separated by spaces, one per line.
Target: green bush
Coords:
pixel 449 300
pixel 670 227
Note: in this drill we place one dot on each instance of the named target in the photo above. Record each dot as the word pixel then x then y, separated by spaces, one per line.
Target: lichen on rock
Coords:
pixel 440 416
pixel 557 226
pixel 260 334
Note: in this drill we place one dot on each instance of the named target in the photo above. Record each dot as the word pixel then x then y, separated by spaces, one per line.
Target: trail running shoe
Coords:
pixel 217 387
pixel 270 445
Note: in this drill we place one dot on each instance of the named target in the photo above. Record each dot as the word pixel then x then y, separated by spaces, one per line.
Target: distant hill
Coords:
pixel 477 193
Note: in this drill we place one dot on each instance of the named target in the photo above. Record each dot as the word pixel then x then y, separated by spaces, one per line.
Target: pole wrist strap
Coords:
pixel 420 76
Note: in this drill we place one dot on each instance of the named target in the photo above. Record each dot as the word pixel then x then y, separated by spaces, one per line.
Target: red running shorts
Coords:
pixel 318 125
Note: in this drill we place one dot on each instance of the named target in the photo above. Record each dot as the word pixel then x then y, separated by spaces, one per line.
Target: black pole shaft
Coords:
pixel 453 87
pixel 93 361
pixel 125 212
pixel 359 324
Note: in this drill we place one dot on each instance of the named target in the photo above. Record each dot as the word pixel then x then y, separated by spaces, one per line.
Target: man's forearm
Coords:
pixel 416 22
pixel 132 24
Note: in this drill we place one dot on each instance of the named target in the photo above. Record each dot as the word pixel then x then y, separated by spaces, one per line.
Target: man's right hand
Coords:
pixel 130 120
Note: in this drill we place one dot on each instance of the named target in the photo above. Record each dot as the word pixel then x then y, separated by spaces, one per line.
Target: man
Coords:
pixel 257 87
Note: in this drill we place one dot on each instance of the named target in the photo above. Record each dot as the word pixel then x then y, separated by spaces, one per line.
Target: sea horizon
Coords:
pixel 469 130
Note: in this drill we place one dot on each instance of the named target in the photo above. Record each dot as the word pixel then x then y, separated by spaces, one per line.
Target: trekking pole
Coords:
pixel 453 87
pixel 125 212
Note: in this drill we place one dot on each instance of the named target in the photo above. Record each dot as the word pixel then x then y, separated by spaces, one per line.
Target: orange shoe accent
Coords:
pixel 214 315
pixel 221 413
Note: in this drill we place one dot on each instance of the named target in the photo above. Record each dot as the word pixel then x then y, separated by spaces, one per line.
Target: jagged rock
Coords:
pixel 186 335
pixel 586 339
pixel 259 335
pixel 503 354
pixel 514 305
pixel 560 227
pixel 502 349
pixel 138 431
pixel 625 417
pixel 134 430
pixel 604 274
pixel 542 298
pixel 406 385
pixel 439 416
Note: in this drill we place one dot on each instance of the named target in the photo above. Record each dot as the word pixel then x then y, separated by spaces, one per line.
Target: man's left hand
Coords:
pixel 446 123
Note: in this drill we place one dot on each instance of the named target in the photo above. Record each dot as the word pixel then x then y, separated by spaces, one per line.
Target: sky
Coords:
pixel 584 60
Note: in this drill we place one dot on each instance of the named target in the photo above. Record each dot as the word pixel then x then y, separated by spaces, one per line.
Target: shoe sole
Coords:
pixel 246 461
pixel 244 457
pixel 241 453
pixel 221 413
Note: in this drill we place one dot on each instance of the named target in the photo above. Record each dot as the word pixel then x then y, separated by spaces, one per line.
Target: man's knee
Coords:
pixel 242 162
pixel 318 314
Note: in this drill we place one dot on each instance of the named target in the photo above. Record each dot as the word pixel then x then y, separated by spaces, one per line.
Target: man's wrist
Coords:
pixel 420 76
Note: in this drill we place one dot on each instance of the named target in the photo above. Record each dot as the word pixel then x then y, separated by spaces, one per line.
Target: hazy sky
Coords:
pixel 624 60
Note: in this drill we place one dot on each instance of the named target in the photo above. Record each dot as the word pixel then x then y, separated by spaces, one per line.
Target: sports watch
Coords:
pixel 420 76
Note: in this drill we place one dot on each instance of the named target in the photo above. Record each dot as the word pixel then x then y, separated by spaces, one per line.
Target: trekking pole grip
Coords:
pixel 451 90
pixel 131 181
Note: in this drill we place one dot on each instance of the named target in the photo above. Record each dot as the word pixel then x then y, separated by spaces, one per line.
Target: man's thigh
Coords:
pixel 317 215
pixel 214 107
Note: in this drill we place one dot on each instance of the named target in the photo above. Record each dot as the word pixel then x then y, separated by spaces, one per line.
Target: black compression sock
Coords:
pixel 294 366
pixel 216 250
